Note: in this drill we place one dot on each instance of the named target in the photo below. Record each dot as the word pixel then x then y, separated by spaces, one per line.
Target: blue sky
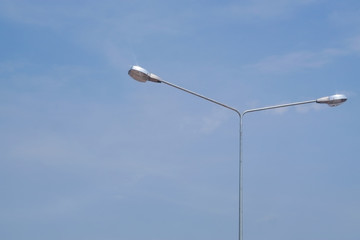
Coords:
pixel 88 153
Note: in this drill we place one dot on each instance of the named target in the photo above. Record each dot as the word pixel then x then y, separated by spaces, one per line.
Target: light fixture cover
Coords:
pixel 142 75
pixel 333 101
pixel 139 74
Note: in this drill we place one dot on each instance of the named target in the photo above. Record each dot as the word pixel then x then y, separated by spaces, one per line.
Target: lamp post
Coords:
pixel 140 74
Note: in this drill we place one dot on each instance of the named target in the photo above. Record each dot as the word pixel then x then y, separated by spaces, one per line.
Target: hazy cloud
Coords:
pixel 262 9
pixel 296 61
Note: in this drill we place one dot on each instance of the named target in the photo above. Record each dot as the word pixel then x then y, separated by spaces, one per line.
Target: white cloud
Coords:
pixel 280 110
pixel 212 122
pixel 205 123
pixel 309 107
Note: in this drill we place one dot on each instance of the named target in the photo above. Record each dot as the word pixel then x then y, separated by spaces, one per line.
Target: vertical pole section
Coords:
pixel 240 180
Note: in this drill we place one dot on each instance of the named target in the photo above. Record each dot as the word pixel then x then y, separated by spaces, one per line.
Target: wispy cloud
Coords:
pixel 301 60
pixel 110 29
pixel 345 18
pixel 205 124
pixel 292 61
pixel 110 17
pixel 309 107
pixel 262 9
pixel 354 44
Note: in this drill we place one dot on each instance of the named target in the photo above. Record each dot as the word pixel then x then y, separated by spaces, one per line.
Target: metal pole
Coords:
pixel 201 96
pixel 240 180
pixel 140 74
pixel 278 106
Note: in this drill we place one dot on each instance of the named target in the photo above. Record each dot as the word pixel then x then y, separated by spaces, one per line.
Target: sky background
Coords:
pixel 88 153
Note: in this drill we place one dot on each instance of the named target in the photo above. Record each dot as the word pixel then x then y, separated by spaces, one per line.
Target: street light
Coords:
pixel 140 74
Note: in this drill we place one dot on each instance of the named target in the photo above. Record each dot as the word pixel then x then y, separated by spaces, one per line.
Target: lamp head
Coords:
pixel 142 75
pixel 333 100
